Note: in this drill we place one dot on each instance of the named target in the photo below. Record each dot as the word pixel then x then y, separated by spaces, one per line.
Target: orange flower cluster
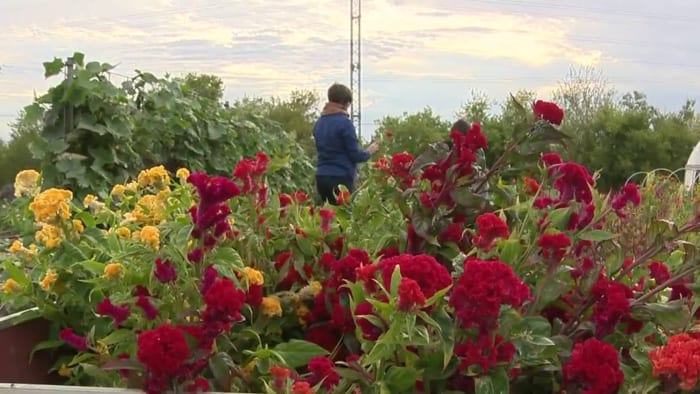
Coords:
pixel 680 357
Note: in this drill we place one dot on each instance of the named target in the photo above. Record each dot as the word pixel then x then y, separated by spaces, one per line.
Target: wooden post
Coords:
pixel 68 109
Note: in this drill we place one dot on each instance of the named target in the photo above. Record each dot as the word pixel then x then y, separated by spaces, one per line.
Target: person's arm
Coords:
pixel 352 145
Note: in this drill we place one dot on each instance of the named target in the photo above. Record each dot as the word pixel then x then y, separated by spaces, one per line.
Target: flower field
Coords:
pixel 441 274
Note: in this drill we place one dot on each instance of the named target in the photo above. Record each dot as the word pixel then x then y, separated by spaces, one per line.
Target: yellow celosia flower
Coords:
pixel 149 209
pixel 118 191
pixel 16 246
pixel 123 232
pixel 157 177
pixel 93 203
pixel 49 235
pixel 302 312
pixel 49 280
pixel 182 174
pixel 89 199
pixel 311 290
pixel 65 371
pixel 132 186
pixel 248 369
pixel 51 205
pixel 27 183
pixel 10 286
pixel 163 195
pixel 150 235
pixel 254 276
pixel 113 270
pixel 271 306
pixel 78 226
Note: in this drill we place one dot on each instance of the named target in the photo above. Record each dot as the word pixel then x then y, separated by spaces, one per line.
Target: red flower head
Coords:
pixel 531 187
pixel 430 275
pixel 612 305
pixel 594 367
pixel 149 310
pixel 69 336
pixel 548 111
pixel 410 295
pixel 489 227
pixel 285 200
pixel 280 376
pixel 482 289
pixel 678 358
pixel 327 216
pixel 301 387
pixel 370 331
pixel 224 300
pixel 213 190
pixel 382 164
pixel 118 313
pixel 401 164
pixel 343 197
pixel 485 351
pixel 165 271
pixel 163 350
pixel 629 194
pixel 199 385
pixel 574 183
pixel 323 371
pixel 554 246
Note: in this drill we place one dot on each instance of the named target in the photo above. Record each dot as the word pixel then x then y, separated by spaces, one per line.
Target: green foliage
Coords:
pixel 411 133
pixel 14 154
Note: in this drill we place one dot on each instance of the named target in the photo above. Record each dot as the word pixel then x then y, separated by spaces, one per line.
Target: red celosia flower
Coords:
pixel 482 289
pixel 324 336
pixel 389 251
pixel 301 387
pixel 453 233
pixel 579 220
pixel 343 197
pixel 382 164
pixel 165 271
pixel 149 310
pixel 554 246
pixel 548 111
pixel 254 296
pixel 530 186
pixel 213 190
pixel 327 216
pixel 280 376
pixel 401 164
pixel 199 385
pixel 208 278
pixel 163 350
pixel 410 295
pixel 489 228
pixel 300 197
pixel 224 300
pixel 594 368
pixel 678 358
pixel 322 371
pixel 574 183
pixel 370 331
pixel 660 273
pixel 612 305
pixel 430 275
pixel 629 194
pixel 485 351
pixel 69 336
pixel 118 313
pixel 551 159
pixel 285 200
pixel 388 133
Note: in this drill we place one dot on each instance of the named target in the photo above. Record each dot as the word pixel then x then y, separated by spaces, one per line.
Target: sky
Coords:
pixel 415 53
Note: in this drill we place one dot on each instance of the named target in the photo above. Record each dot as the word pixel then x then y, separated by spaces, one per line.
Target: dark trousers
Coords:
pixel 327 187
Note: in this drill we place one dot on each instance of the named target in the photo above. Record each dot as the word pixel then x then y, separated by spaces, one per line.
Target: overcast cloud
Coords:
pixel 415 52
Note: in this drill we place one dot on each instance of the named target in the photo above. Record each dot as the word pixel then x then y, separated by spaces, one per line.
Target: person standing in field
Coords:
pixel 337 147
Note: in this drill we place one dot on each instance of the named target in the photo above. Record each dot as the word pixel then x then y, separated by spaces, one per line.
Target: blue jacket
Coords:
pixel 337 147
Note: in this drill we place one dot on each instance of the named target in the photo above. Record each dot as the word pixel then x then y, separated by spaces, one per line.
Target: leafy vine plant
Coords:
pixel 442 273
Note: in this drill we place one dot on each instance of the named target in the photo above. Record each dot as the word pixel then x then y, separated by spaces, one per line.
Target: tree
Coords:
pixel 15 155
pixel 203 85
pixel 412 132
pixel 582 93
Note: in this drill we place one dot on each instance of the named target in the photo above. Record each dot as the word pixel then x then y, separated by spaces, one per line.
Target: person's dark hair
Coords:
pixel 339 94
pixel 461 125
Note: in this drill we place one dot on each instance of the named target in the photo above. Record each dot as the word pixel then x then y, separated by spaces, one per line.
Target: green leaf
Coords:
pixel 221 366
pixel 79 58
pixel 401 379
pixel 510 251
pixel 44 345
pixel 117 336
pixel 596 235
pixel 395 281
pixel 673 315
pixel 559 217
pixel 297 353
pixel 495 383
pixel 540 341
pixel 16 273
pixel 53 67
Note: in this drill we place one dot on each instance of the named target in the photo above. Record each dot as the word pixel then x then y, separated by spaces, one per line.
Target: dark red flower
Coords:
pixel 149 310
pixel 661 274
pixel 530 186
pixel 489 228
pixel 629 194
pixel 369 330
pixel 213 190
pixel 208 278
pixel 612 305
pixel 594 368
pixel 548 111
pixel 254 296
pixel 69 336
pixel 327 216
pixel 301 387
pixel 410 295
pixel 224 300
pixel 118 313
pixel 430 275
pixel 574 182
pixel 482 289
pixel 401 164
pixel 285 200
pixel 199 385
pixel 343 197
pixel 554 246
pixel 453 233
pixel 485 351
pixel 322 371
pixel 279 376
pixel 163 350
pixel 165 271
pixel 324 336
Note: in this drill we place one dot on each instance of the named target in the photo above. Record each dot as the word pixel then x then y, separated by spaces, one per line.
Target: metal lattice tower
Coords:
pixel 355 62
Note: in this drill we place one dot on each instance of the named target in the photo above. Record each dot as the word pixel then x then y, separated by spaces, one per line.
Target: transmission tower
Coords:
pixel 355 62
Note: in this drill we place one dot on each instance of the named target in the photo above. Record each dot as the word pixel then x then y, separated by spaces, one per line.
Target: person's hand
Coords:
pixel 373 148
